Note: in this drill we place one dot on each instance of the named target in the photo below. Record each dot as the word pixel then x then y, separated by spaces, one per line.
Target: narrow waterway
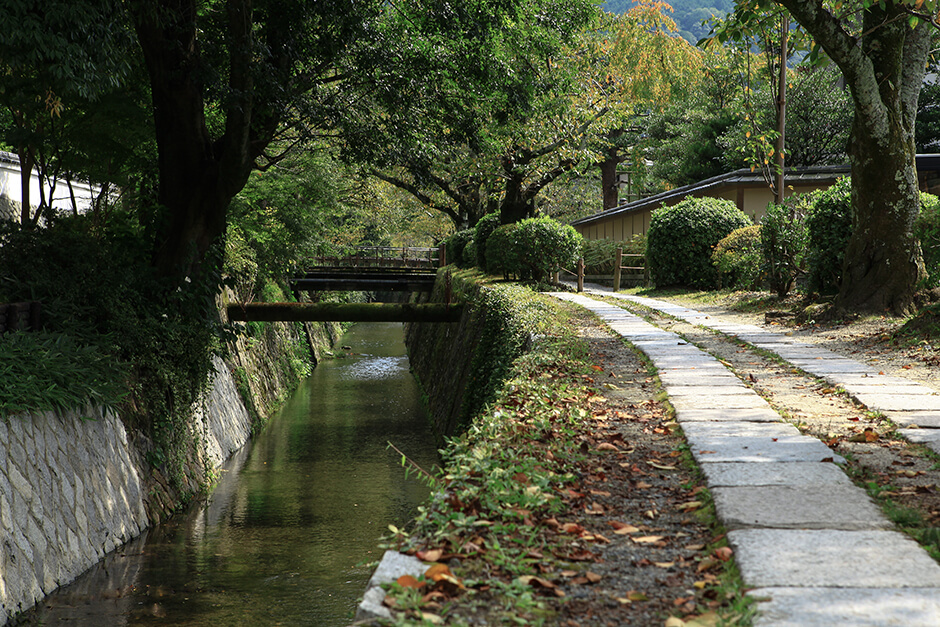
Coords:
pixel 288 533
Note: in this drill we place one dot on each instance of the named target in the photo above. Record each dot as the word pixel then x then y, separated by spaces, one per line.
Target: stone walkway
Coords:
pixel 813 546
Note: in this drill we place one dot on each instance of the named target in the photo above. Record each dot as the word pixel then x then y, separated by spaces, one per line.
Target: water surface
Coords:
pixel 290 529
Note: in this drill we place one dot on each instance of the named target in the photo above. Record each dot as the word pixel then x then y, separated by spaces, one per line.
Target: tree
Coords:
pixel 496 113
pixel 882 51
pixel 655 67
pixel 58 59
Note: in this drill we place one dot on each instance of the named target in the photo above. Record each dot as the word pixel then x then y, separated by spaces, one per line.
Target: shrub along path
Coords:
pixel 804 536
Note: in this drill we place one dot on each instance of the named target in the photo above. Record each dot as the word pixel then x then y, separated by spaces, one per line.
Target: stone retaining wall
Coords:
pixel 73 488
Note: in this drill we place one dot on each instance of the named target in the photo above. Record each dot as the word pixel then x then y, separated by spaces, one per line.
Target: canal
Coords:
pixel 288 534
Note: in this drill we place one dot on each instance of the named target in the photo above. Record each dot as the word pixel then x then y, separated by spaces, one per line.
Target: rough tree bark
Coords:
pixel 884 68
pixel 198 176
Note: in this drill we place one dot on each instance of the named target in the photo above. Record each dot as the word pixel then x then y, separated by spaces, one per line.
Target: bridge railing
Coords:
pixel 383 257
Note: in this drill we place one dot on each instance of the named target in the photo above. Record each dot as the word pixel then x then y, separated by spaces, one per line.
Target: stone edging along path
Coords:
pixel 813 546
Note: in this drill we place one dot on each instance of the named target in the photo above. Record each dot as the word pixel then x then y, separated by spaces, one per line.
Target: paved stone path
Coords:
pixel 814 548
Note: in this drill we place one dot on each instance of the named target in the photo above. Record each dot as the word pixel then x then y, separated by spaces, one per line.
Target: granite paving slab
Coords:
pixel 911 388
pixel 740 429
pixel 847 607
pixel 798 507
pixel 795 474
pixel 928 437
pixel 832 558
pixel 821 367
pixel 718 401
pixel 698 391
pixel 901 402
pixel 760 449
pixel 713 379
pixel 757 414
pixel 924 419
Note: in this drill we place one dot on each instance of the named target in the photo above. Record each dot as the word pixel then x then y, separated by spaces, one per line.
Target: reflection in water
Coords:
pixel 290 529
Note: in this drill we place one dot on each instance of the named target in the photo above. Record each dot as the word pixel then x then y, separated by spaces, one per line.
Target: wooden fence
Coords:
pixel 384 256
pixel 636 272
pixel 19 316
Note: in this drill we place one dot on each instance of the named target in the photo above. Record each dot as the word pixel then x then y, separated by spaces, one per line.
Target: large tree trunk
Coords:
pixel 884 68
pixel 883 262
pixel 198 177
pixel 516 204
pixel 609 181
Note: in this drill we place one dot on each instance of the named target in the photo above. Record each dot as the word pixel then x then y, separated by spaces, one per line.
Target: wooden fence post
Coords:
pixel 618 262
pixel 441 256
pixel 580 274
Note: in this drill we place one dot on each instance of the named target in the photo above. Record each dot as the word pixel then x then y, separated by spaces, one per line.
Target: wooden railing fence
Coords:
pixel 385 256
pixel 637 272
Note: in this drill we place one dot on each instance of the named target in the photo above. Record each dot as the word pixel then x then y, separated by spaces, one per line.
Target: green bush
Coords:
pixel 545 245
pixel 783 242
pixel 470 254
pixel 830 226
pixel 738 258
pixel 455 244
pixel 486 225
pixel 502 251
pixel 99 296
pixel 927 230
pixel 681 239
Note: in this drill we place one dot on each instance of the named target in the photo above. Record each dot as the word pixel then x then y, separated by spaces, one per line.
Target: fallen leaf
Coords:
pixel 633 595
pixel 607 446
pixel 674 621
pixel 431 555
pixel 592 577
pixel 622 529
pixel 664 564
pixel 661 466
pixel 407 581
pixel 573 528
pixel 724 553
pixel 434 619
pixel 642 485
pixel 647 539
pixel 690 506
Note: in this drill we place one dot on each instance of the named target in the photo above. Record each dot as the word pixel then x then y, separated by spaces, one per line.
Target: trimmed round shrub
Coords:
pixel 454 246
pixel 502 251
pixel 738 258
pixel 470 254
pixel 485 226
pixel 830 226
pixel 545 245
pixel 927 230
pixel 681 239
pixel 783 237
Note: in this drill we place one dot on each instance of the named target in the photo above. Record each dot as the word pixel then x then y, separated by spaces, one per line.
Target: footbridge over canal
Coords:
pixel 369 269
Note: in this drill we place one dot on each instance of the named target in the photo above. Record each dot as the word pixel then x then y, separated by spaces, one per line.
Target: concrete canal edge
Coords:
pixel 74 487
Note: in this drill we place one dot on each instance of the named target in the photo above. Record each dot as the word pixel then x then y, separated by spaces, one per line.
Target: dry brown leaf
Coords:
pixel 407 581
pixel 661 466
pixel 431 555
pixel 633 595
pixel 664 564
pixel 647 539
pixel 607 446
pixel 689 506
